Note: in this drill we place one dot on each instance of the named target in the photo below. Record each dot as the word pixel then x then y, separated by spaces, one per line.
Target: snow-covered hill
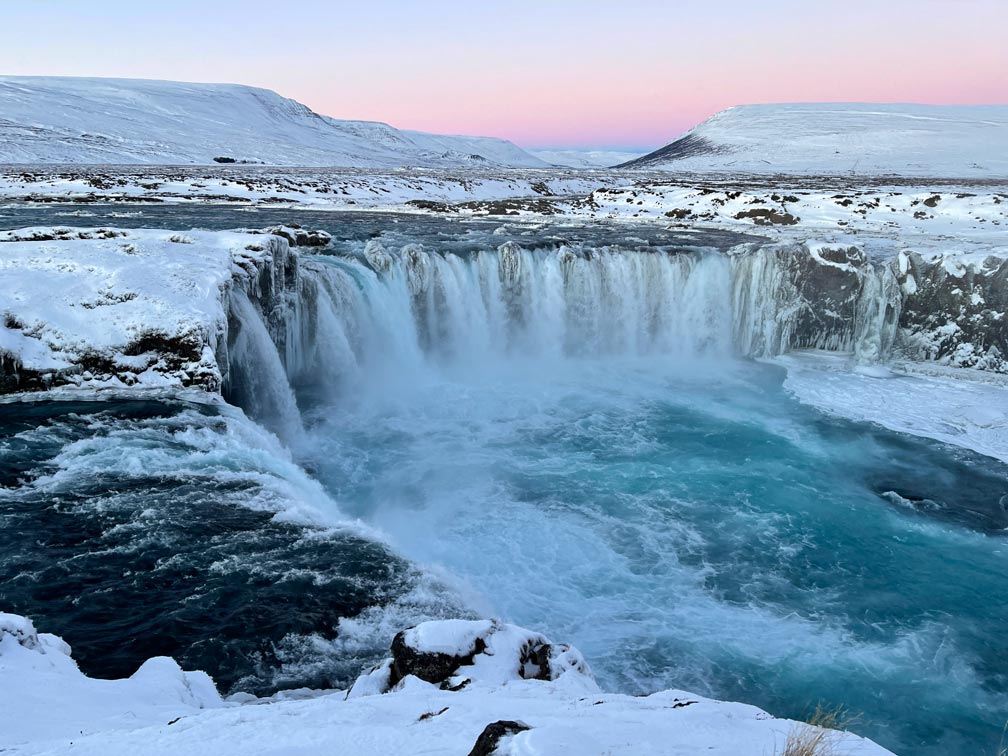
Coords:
pixel 586 158
pixel 85 120
pixel 844 138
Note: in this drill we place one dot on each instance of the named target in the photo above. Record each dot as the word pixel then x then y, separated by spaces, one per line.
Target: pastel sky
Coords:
pixel 562 73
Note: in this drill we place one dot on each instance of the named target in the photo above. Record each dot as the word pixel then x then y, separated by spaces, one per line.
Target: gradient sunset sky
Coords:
pixel 632 73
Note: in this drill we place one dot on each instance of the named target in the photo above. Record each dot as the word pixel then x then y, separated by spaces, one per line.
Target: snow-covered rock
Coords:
pixel 863 139
pixel 115 308
pixel 46 704
pixel 955 310
pixel 90 120
pixel 454 653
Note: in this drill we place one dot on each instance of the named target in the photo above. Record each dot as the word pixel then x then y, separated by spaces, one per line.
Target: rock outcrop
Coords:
pixel 950 310
pixel 493 734
pixel 955 312
pixel 453 654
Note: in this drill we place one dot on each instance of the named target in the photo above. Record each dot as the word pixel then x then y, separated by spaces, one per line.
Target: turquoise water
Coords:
pixel 564 442
pixel 687 524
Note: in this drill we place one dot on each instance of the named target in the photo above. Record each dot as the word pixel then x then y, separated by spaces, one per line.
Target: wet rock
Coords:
pixel 764 216
pixel 300 237
pixel 432 206
pixel 493 733
pixel 432 666
pixel 807 298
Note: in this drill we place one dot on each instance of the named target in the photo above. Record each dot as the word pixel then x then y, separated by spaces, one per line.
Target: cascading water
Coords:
pixel 389 311
pixel 564 433
pixel 258 381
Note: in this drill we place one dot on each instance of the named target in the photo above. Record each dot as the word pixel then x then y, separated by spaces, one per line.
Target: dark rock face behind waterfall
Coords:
pixel 941 310
pixel 956 313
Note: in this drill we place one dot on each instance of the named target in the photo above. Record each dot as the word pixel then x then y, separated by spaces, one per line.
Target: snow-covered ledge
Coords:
pixel 450 687
pixel 110 308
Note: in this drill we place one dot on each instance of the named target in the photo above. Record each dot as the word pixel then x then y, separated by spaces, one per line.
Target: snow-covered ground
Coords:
pixel 48 707
pixel 311 188
pixel 967 408
pixel 44 696
pixel 948 218
pixel 863 139
pixel 585 158
pixel 90 120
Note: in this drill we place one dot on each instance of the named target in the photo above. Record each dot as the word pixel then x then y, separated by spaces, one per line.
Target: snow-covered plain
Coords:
pixel 585 158
pixel 862 139
pixel 950 218
pixel 54 709
pixel 334 189
pixel 90 120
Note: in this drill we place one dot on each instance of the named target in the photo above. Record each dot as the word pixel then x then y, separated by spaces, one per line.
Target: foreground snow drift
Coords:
pixel 44 696
pixel 486 682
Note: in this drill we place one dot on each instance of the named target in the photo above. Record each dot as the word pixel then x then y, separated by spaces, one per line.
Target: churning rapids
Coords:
pixel 556 432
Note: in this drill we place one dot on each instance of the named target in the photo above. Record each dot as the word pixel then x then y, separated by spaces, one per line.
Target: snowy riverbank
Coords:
pixel 961 407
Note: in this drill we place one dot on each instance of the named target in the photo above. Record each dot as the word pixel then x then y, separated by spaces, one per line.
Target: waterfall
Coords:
pixel 536 303
pixel 257 380
pixel 313 329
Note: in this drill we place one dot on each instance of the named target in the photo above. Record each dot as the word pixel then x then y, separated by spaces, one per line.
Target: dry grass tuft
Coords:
pixel 818 735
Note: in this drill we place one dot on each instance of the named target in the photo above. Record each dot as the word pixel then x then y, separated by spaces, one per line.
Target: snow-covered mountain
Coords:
pixel 844 138
pixel 91 120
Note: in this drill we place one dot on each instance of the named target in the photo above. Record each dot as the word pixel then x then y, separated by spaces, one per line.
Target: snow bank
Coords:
pixel 960 407
pixel 160 709
pixel 43 695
